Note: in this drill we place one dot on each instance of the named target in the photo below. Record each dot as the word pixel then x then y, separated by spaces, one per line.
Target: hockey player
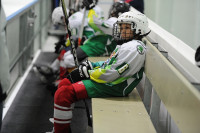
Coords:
pixel 99 45
pixel 47 72
pixel 117 76
pixel 75 21
pixel 102 44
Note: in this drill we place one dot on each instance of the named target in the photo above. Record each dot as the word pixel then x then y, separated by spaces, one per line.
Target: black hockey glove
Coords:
pixel 59 45
pixel 88 64
pixel 89 4
pixel 197 56
pixel 2 95
pixel 80 73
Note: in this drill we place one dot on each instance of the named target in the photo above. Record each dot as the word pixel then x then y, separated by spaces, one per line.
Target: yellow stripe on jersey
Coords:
pixel 91 23
pixel 95 74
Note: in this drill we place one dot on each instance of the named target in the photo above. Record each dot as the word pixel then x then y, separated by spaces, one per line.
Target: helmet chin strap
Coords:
pixel 137 36
pixel 120 42
pixel 141 36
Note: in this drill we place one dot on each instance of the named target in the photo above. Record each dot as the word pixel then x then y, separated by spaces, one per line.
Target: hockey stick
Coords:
pixel 69 33
pixel 76 5
pixel 74 52
pixel 82 27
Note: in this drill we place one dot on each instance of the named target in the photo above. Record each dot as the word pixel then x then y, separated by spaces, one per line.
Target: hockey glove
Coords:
pixel 88 64
pixel 3 95
pixel 89 4
pixel 59 45
pixel 197 56
pixel 78 74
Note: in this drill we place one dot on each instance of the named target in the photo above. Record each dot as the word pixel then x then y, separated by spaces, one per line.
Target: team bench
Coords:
pixel 139 112
pixel 120 114
pixel 180 98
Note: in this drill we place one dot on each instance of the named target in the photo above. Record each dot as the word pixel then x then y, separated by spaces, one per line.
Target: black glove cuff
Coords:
pixel 3 97
pixel 197 54
pixel 76 75
pixel 89 4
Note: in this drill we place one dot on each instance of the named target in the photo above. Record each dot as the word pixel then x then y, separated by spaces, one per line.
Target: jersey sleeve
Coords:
pixel 100 25
pixel 93 19
pixel 75 22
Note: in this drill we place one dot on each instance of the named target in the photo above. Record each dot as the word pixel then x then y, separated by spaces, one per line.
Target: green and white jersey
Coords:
pixel 98 11
pixel 119 74
pixel 99 25
pixel 75 21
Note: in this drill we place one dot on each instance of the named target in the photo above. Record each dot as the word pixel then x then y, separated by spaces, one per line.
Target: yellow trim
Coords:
pixel 91 23
pixel 95 74
pixel 67 42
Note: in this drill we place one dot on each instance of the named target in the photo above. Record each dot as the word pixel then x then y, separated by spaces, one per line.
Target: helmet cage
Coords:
pixel 117 34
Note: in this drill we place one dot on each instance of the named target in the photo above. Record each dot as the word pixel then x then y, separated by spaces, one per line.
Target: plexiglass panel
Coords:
pixel 179 17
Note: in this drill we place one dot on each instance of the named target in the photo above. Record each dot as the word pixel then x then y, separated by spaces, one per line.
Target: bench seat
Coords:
pixel 120 114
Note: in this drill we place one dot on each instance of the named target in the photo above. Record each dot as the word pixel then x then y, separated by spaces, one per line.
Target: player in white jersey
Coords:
pixel 98 45
pixel 102 43
pixel 75 22
pixel 117 76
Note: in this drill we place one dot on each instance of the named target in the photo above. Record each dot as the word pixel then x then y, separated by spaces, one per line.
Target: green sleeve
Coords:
pixel 99 45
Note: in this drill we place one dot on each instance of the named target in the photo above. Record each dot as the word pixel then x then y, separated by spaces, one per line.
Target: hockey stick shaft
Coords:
pixel 73 50
pixel 82 27
pixel 76 5
pixel 69 33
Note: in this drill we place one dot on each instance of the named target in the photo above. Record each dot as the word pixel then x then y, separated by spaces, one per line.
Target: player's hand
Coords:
pixel 78 74
pixel 88 64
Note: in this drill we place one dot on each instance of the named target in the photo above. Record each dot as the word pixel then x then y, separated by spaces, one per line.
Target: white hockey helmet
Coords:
pixel 57 16
pixel 138 21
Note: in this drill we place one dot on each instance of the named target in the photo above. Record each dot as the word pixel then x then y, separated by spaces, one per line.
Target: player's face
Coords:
pixel 126 32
